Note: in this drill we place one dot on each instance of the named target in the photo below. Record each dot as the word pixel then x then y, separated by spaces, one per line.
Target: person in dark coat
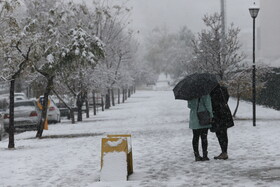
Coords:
pixel 222 118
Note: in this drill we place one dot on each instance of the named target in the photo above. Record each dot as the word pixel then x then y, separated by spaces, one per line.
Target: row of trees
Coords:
pixel 66 48
pixel 210 50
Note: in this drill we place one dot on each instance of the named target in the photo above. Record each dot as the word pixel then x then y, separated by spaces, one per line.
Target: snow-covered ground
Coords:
pixel 69 155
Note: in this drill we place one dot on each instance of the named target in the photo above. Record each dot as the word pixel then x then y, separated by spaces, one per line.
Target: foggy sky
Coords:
pixel 174 14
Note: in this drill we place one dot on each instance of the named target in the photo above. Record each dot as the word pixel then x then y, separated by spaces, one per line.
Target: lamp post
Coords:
pixel 254 10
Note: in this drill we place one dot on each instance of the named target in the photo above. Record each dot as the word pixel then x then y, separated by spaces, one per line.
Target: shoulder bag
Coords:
pixel 203 116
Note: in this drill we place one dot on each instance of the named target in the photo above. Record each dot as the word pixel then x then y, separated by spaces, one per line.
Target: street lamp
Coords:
pixel 254 10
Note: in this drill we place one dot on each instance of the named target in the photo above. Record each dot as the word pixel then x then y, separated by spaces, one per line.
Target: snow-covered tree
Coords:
pixel 83 52
pixel 112 22
pixel 48 18
pixel 17 45
pixel 180 53
pixel 215 54
pixel 169 52
pixel 221 55
pixel 158 44
pixel 63 42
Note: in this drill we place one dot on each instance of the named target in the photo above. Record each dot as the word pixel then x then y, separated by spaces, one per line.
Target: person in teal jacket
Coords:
pixel 198 130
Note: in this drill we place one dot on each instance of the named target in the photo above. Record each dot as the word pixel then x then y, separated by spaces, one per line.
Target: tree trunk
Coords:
pixel 40 128
pixel 87 107
pixel 238 99
pixel 21 66
pixel 93 103
pixel 113 97
pixel 237 105
pixel 119 96
pixel 107 100
pixel 123 95
pixel 102 102
pixel 11 114
pixel 129 92
pixel 72 117
pixel 79 107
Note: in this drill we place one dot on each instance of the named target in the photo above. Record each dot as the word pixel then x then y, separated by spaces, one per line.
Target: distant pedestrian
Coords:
pixel 199 104
pixel 222 118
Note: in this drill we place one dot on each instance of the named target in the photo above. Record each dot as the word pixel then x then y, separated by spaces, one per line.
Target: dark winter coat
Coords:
pixel 221 111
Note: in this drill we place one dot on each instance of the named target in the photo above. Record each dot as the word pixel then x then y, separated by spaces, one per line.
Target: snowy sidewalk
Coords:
pixel 162 150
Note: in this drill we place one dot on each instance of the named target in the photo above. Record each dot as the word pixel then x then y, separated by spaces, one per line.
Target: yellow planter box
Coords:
pixel 118 143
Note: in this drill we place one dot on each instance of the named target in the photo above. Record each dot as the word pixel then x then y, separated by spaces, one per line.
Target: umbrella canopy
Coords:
pixel 195 85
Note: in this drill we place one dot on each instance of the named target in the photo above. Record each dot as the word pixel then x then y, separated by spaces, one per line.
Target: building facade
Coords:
pixel 268 31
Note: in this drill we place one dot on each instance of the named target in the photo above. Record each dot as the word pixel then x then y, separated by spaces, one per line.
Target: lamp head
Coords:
pixel 254 10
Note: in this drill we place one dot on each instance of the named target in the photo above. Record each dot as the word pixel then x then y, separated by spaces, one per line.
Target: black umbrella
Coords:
pixel 195 85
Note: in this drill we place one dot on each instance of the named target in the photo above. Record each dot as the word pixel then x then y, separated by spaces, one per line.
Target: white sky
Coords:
pixel 175 14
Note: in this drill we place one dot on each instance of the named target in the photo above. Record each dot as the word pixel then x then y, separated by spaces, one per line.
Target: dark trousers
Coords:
pixel 202 133
pixel 223 139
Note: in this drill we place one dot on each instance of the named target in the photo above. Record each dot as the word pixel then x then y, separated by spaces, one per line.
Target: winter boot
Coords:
pixel 197 156
pixel 205 156
pixel 222 156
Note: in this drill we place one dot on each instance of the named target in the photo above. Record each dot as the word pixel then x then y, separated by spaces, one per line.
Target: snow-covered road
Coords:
pixel 161 143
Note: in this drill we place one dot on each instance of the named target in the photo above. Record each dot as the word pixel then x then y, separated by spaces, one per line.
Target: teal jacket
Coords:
pixel 192 104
